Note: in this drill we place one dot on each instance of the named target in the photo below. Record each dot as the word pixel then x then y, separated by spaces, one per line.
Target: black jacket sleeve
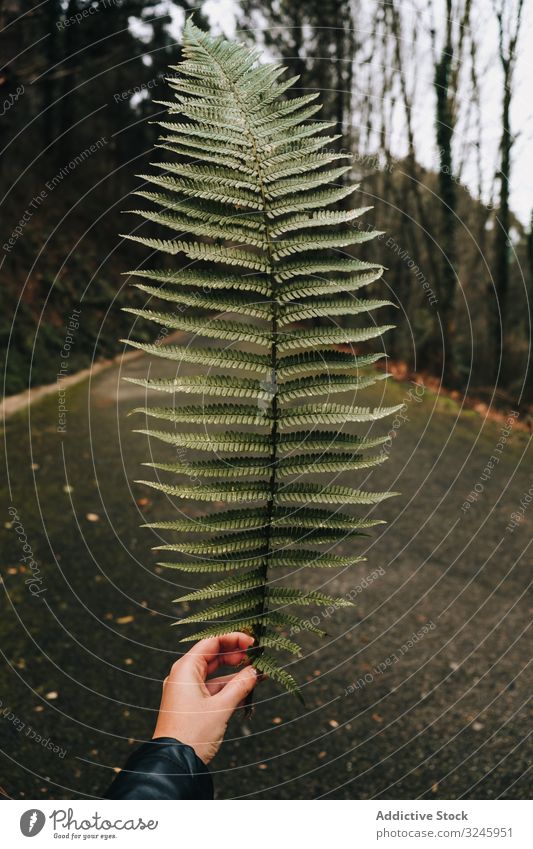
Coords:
pixel 164 768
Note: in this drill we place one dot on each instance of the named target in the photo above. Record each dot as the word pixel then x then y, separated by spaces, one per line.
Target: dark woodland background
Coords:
pixel 433 101
pixel 78 85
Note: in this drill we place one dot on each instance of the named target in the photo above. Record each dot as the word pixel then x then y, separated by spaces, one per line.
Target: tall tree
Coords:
pixel 509 18
pixel 448 62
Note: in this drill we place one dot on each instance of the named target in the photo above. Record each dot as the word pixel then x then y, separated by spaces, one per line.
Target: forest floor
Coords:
pixel 420 690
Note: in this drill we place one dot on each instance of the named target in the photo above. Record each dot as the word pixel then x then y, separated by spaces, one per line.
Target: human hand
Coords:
pixel 196 711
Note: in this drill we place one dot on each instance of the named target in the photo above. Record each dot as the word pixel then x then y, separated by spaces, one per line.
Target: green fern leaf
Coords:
pixel 222 303
pixel 297 289
pixel 325 384
pixel 209 386
pixel 211 357
pixel 204 280
pixel 246 192
pixel 231 441
pixel 266 664
pixel 326 308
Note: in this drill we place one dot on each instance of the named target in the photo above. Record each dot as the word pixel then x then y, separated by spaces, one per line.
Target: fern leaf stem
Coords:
pixel 258 630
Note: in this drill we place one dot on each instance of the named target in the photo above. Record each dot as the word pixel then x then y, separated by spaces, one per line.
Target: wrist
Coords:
pixel 173 735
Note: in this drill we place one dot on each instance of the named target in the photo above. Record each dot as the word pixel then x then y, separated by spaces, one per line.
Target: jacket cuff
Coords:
pixel 164 768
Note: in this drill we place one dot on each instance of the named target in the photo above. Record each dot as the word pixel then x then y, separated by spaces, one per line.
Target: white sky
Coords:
pixel 223 16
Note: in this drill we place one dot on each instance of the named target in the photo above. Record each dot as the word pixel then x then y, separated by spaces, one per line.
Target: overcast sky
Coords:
pixel 224 17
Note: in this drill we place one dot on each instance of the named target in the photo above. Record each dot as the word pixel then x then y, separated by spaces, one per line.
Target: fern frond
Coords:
pixel 317 219
pixel 302 493
pixel 274 641
pixel 266 664
pixel 239 603
pixel 285 595
pixel 321 414
pixel 243 467
pixel 212 414
pixel 217 329
pixel 221 304
pixel 306 518
pixel 325 384
pixel 231 441
pixel 245 193
pixel 231 492
pixel 204 280
pixel 322 361
pixel 295 290
pixel 317 463
pixel 333 306
pixel 211 357
pixel 314 267
pixel 274 617
pixel 230 520
pixel 238 583
pixel 299 339
pixel 322 242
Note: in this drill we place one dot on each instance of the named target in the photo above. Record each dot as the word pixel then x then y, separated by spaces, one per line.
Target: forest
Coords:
pixel 426 100
pixel 301 243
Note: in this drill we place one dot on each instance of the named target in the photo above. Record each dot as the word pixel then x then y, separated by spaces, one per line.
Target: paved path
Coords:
pixel 85 626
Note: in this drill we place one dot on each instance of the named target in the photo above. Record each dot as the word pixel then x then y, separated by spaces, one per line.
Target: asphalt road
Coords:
pixel 421 690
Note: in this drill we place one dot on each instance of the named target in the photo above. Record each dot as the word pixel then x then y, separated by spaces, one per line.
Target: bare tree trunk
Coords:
pixel 508 32
pixel 445 121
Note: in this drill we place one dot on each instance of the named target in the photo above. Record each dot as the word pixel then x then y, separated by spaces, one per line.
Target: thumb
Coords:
pixel 238 688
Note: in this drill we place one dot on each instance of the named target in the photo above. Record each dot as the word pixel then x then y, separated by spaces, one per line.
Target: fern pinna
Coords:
pixel 245 194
